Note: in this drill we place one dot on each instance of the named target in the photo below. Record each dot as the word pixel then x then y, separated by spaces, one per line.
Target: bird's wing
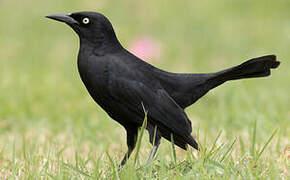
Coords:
pixel 162 109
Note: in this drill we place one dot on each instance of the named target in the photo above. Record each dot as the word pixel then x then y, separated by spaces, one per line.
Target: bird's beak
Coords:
pixel 63 18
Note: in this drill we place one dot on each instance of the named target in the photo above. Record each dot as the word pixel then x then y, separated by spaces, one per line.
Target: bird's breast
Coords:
pixel 94 74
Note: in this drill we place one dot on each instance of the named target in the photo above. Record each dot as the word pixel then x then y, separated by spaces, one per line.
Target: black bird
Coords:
pixel 121 83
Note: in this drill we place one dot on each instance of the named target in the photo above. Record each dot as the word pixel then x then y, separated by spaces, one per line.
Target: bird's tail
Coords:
pixel 183 141
pixel 256 67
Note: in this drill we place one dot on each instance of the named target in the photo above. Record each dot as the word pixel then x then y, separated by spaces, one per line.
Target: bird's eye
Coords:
pixel 86 20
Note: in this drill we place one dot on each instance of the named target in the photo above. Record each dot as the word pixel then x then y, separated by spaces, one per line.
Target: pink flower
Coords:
pixel 146 48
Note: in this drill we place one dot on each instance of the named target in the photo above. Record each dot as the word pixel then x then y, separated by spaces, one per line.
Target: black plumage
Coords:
pixel 121 83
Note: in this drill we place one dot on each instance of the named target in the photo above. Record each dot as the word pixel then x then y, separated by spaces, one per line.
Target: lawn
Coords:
pixel 51 129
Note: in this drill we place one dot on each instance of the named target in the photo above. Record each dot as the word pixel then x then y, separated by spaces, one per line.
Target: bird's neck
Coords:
pixel 100 45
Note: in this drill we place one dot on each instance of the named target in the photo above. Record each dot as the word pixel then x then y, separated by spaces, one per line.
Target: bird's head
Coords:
pixel 92 27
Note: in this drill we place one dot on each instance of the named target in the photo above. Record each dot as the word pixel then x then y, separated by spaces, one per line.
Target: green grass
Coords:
pixel 50 128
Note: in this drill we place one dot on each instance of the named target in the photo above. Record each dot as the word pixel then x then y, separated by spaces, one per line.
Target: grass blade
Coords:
pixel 154 136
pixel 115 172
pixel 265 145
pixel 68 166
pixel 242 145
pixel 214 143
pixel 225 155
pixel 173 149
pixel 49 175
pixel 254 139
pixel 140 136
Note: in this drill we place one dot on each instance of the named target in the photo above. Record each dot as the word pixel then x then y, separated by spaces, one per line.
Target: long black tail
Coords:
pixel 257 67
pixel 188 88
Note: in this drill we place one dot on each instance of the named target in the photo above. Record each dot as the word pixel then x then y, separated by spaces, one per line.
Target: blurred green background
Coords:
pixel 46 112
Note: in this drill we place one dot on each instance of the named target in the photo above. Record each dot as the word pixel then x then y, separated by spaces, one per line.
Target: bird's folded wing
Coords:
pixel 162 109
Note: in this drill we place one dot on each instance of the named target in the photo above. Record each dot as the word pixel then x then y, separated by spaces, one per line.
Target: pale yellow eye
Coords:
pixel 86 20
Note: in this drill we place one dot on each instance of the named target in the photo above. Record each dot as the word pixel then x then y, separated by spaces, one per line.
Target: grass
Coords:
pixel 51 129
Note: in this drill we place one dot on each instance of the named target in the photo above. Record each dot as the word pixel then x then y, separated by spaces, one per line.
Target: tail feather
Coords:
pixel 182 141
pixel 179 140
pixel 191 141
pixel 257 67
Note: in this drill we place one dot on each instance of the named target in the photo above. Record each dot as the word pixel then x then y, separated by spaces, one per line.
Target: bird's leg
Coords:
pixel 153 153
pixel 155 138
pixel 132 134
pixel 126 156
